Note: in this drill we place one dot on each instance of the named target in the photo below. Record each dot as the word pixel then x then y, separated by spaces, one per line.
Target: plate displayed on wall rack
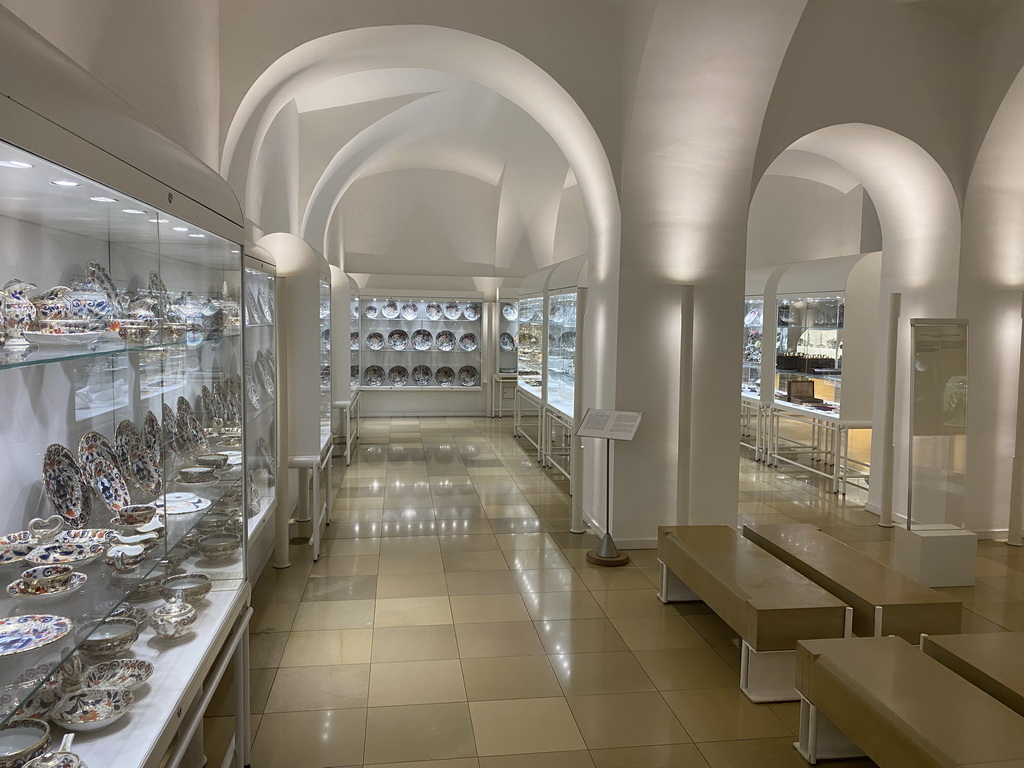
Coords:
pixel 410 309
pixel 444 376
pixel 355 310
pixel 421 375
pixel 373 376
pixel 398 376
pixel 353 340
pixel 19 634
pixel 445 341
pixel 375 341
pixel 509 311
pixel 468 342
pixel 452 310
pixel 471 311
pixel 469 376
pixel 422 340
pixel 64 484
pixel 398 339
pixel 389 310
pixel 434 311
pixel 506 342
pixel 371 311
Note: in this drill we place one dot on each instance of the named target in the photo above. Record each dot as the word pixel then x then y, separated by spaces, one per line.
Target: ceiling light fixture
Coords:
pixel 133 210
pixel 102 199
pixel 159 221
pixel 65 183
pixel 180 229
pixel 14 164
pixel 196 234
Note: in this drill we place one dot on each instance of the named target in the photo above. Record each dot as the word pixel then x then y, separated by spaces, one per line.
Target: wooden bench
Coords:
pixel 884 601
pixel 882 697
pixel 993 661
pixel 768 604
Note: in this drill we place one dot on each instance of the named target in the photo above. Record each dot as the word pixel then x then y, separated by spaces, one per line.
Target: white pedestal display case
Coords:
pixel 506 356
pixel 345 388
pixel 122 377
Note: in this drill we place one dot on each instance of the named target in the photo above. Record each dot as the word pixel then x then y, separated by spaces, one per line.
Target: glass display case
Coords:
pixel 753 324
pixel 809 350
pixel 421 343
pixel 259 296
pixel 325 363
pixel 508 338
pixel 121 374
pixel 531 345
pixel 561 357
pixel 354 344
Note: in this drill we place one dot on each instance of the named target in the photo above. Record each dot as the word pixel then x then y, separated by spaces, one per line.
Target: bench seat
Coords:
pixel 993 661
pixel 900 707
pixel 884 601
pixel 768 604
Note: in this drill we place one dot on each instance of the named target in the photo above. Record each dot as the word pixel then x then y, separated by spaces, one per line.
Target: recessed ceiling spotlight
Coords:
pixel 236 251
pixel 196 234
pixel 14 164
pixel 65 183
pixel 133 210
pixel 180 229
pixel 102 199
pixel 159 221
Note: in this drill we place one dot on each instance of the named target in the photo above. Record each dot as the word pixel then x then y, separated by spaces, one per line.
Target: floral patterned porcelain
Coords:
pixel 471 311
pixel 65 554
pixel 373 376
pixel 19 312
pixel 422 340
pixel 509 311
pixel 92 709
pixel 421 375
pixel 110 485
pixel 444 376
pixel 375 341
pixel 264 374
pixel 398 376
pixel 174 619
pixel 119 673
pixel 19 590
pixel 409 310
pixel 469 376
pixel 65 487
pixel 452 310
pixel 468 342
pixel 390 310
pixel 398 340
pixel 506 342
pixel 19 634
pixel 434 311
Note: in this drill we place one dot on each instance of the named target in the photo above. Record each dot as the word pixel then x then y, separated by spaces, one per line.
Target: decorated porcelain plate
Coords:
pixel 468 342
pixel 375 341
pixel 194 434
pixel 26 633
pixel 398 376
pixel 65 554
pixel 471 311
pixel 444 376
pixel 15 553
pixel 389 310
pixel 452 310
pixel 410 309
pixel 86 536
pixel 445 341
pixel 127 446
pixel 92 447
pixel 184 407
pixel 92 709
pixel 151 437
pixel 171 430
pixel 398 339
pixel 19 590
pixel 506 342
pixel 64 484
pixel 422 340
pixel 263 373
pixel 434 311
pixel 421 375
pixel 469 376
pixel 371 311
pixel 61 339
pixel 183 507
pixel 509 311
pixel 373 376
pixel 353 340
pixel 355 310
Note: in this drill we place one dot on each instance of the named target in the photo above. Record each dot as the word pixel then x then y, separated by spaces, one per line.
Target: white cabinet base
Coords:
pixel 936 555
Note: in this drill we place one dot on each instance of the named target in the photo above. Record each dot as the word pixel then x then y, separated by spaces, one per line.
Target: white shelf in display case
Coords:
pixel 415 344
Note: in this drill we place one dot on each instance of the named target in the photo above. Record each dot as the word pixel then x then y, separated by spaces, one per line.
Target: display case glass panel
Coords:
pixel 531 345
pixel 561 360
pixel 354 345
pixel 508 337
pixel 121 378
pixel 421 343
pixel 325 363
pixel 259 291
pixel 809 350
pixel 753 322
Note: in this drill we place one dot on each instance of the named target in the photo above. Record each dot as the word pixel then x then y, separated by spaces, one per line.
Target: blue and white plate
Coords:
pixel 19 634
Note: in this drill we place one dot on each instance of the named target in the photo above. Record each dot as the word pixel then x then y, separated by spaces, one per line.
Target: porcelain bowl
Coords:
pixel 43 579
pixel 139 588
pixel 92 709
pixel 196 474
pixel 134 514
pixel 22 740
pixel 193 586
pixel 108 638
pixel 118 673
pixel 215 522
pixel 220 547
pixel 214 460
pixel 125 611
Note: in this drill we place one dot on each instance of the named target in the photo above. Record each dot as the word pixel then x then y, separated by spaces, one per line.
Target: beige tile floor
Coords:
pixel 453 622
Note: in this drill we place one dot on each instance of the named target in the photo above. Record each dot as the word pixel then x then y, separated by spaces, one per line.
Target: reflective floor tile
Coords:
pixel 416 682
pixel 414 643
pixel 279 591
pixel 359 565
pixel 340 588
pixel 722 714
pixel 646 633
pixel 766 753
pixel 411 585
pixel 545 760
pixel 535 559
pixel 266 649
pixel 409 545
pixel 586 674
pixel 340 614
pixel 667 756
pixel 520 726
pixel 474 609
pixel 579 636
pixel 516 525
pixel 715 632
pixel 412 528
pixel 509 677
pixel 481 583
pixel 468 543
pixel 562 605
pixel 626 720
pixel 408 513
pixel 420 563
pixel 474 561
pixel 274 617
pixel 418 732
pixel 350 547
pixel 568 540
pixel 549 580
pixel 317 739
pixel 510 511
pixel 511 638
pixel 520 541
pixel 686 668
pixel 412 611
pixel 459 762
pixel 331 687
pixel 627 577
pixel 619 603
pixel 328 647
pixel 459 512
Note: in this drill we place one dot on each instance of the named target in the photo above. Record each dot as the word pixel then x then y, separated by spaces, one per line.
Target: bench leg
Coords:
pixel 673 589
pixel 768 675
pixel 819 737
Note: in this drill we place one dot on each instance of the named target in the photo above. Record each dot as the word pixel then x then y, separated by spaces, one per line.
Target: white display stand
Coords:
pixel 936 555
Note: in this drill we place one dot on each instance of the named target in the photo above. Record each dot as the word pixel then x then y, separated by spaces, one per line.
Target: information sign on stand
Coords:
pixel 609 426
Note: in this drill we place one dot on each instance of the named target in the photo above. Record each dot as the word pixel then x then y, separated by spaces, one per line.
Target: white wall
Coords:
pixel 276 181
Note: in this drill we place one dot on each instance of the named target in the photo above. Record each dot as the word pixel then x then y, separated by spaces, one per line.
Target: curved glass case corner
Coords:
pixel 121 378
pixel 753 322
pixel 531 345
pixel 561 359
pixel 508 337
pixel 809 350
pixel 325 363
pixel 259 289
